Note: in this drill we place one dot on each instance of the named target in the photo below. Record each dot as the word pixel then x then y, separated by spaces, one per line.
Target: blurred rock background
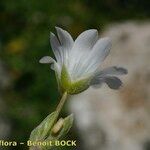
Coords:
pixel 105 119
pixel 114 120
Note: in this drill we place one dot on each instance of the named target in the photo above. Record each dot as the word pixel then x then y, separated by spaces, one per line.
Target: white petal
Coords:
pixel 55 44
pixel 53 64
pixel 108 76
pixel 46 60
pixel 85 41
pixel 66 42
pixel 99 52
pixel 82 46
pixel 65 38
pixel 91 63
pixel 101 49
pixel 112 81
pixel 112 71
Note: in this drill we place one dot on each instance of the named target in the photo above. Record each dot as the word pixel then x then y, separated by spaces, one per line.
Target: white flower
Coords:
pixel 78 62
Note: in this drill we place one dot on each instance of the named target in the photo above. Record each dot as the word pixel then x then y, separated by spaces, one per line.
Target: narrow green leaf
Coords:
pixel 43 129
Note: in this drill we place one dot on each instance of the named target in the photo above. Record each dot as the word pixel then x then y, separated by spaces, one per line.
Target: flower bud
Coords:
pixel 51 130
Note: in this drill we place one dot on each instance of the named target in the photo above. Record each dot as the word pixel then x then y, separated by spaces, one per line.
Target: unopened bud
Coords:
pixel 58 126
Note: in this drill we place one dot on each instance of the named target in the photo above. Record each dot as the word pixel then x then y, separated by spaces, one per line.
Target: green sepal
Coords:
pixel 65 79
pixel 72 87
pixel 78 86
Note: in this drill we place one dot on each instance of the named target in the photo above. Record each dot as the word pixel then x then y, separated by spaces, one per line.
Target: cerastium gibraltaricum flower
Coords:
pixel 77 67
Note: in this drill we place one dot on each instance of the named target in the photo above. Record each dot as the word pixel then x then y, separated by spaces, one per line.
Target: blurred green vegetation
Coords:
pixel 24 39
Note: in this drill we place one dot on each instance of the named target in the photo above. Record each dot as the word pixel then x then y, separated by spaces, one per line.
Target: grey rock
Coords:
pixel 119 120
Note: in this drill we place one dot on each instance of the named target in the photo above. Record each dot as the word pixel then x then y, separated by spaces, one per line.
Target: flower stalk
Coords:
pixel 52 127
pixel 61 103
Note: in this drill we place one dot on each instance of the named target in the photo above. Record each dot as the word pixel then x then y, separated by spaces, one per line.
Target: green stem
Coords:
pixel 61 103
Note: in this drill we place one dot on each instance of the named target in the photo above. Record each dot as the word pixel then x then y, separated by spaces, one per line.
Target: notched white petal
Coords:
pixel 65 38
pixel 80 51
pixel 86 40
pixel 112 71
pixel 115 71
pixel 54 42
pixel 113 82
pixel 101 49
pixel 97 55
pixel 46 60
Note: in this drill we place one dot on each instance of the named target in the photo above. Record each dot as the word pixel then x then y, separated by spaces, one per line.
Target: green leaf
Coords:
pixel 42 130
pixel 67 124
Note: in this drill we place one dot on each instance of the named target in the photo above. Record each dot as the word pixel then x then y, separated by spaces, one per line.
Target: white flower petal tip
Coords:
pixel 52 34
pixel 86 40
pixel 89 33
pixel 108 76
pixel 58 28
pixel 77 62
pixel 66 42
pixel 113 82
pixel 46 60
pixel 112 71
pixel 121 70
